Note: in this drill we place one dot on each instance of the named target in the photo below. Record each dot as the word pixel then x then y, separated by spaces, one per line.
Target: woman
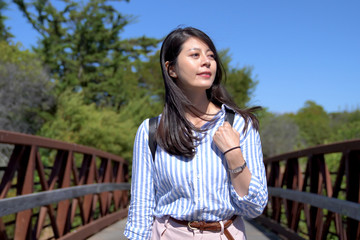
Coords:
pixel 205 170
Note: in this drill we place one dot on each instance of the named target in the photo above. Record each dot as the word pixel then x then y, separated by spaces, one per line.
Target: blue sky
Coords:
pixel 299 49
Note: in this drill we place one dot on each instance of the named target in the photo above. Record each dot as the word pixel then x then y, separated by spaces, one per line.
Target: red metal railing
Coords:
pixel 56 190
pixel 314 193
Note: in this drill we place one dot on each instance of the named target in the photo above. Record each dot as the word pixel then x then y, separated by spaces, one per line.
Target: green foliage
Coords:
pixel 150 77
pixel 25 90
pixel 83 50
pixel 99 77
pixel 350 130
pixel 314 124
pixel 5 34
pixel 87 125
pixel 13 54
pixel 279 134
pixel 345 125
pixel 310 126
pixel 239 81
pixel 101 128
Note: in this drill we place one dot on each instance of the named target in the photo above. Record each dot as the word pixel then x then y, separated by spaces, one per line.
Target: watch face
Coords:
pixel 238 169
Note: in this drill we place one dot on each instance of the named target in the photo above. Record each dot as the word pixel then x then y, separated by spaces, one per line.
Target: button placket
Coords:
pixel 200 170
pixel 198 184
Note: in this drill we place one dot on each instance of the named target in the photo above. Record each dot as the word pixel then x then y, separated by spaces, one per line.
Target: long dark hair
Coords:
pixel 174 133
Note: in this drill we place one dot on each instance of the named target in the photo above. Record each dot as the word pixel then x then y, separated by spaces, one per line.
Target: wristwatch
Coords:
pixel 238 169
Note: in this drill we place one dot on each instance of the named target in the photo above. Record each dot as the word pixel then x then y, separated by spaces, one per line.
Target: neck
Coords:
pixel 204 109
pixel 198 99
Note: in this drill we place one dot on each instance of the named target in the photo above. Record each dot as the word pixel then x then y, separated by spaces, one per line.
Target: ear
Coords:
pixel 170 69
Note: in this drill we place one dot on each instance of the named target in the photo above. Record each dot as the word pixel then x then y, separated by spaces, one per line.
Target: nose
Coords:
pixel 206 61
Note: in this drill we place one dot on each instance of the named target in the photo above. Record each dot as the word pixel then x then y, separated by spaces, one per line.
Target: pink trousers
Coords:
pixel 166 229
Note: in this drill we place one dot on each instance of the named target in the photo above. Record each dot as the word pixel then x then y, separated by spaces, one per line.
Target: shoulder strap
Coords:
pixel 153 123
pixel 230 114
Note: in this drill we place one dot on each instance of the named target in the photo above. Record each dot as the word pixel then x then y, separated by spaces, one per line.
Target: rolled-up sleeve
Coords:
pixel 252 204
pixel 142 203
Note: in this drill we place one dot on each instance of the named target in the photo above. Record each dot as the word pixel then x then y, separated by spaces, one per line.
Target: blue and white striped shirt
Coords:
pixel 193 189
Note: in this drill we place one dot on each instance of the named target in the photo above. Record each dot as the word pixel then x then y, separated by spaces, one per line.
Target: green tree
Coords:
pixel 314 124
pixel 101 98
pixel 5 34
pixel 348 131
pixel 82 47
pixel 345 125
pixel 150 78
pixel 239 81
pixel 88 125
pixel 25 94
pixel 279 134
pixel 25 90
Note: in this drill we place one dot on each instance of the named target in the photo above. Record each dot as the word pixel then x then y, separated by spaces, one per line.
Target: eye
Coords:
pixel 195 55
pixel 211 55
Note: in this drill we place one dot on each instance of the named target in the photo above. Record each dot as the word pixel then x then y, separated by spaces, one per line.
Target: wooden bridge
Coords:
pixel 56 190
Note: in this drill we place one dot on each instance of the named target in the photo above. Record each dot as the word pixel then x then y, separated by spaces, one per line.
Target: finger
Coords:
pixel 226 124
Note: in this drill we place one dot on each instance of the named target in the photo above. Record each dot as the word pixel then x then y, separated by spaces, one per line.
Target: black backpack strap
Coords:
pixel 230 115
pixel 153 123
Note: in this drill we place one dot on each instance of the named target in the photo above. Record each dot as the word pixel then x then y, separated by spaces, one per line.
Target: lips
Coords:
pixel 205 74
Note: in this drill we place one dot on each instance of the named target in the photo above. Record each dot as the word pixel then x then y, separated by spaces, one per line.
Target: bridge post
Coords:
pixel 275 180
pixel 352 169
pixel 293 178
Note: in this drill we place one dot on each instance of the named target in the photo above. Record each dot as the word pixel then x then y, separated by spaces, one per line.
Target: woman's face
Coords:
pixel 195 67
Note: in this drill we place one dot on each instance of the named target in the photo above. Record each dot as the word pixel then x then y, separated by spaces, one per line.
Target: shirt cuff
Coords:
pixel 252 204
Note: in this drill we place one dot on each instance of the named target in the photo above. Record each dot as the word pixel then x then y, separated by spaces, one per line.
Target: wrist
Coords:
pixel 231 149
pixel 234 158
pixel 239 169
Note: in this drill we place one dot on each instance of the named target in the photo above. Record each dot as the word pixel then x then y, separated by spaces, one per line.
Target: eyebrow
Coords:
pixel 198 49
